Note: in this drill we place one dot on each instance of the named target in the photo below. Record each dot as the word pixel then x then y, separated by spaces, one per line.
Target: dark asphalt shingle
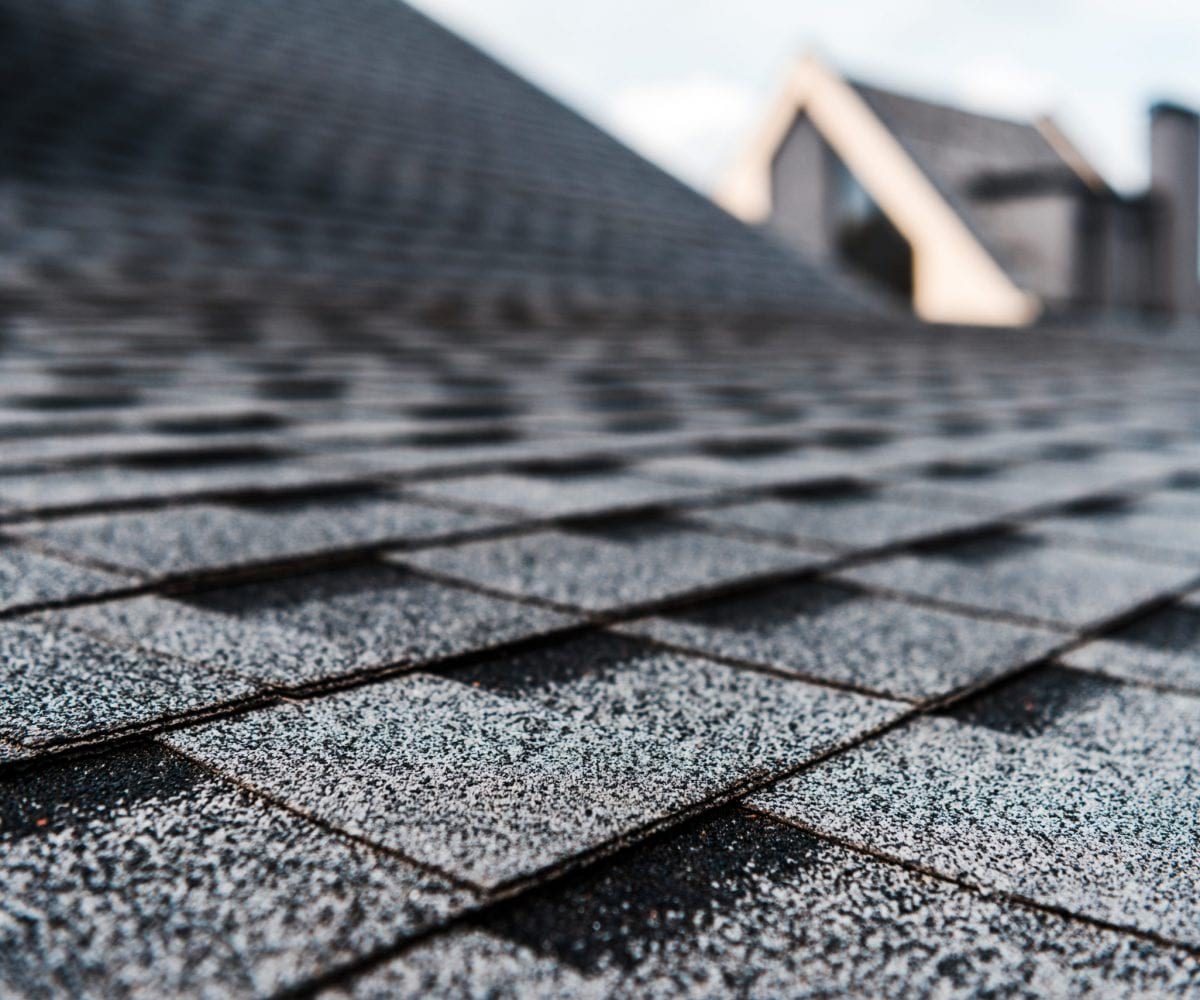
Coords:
pixel 746 906
pixel 565 494
pixel 1062 810
pixel 611 567
pixel 140 874
pixel 846 518
pixel 30 578
pixel 717 723
pixel 835 633
pixel 1163 649
pixel 486 787
pixel 178 540
pixel 57 685
pixel 317 627
pixel 1028 574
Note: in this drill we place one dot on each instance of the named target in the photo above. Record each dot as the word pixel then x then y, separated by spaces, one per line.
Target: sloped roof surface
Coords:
pixel 338 150
pixel 842 661
pixel 342 655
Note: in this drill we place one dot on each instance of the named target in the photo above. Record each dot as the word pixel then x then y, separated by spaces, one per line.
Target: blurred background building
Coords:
pixel 968 217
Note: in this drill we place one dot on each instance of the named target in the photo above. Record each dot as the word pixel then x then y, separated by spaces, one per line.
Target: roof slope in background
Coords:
pixel 228 148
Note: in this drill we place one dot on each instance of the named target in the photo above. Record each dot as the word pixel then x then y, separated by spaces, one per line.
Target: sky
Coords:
pixel 685 82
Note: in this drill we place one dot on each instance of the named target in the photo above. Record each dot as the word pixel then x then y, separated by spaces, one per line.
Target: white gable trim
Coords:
pixel 955 279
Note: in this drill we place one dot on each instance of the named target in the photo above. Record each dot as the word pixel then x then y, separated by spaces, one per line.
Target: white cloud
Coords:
pixel 690 126
pixel 1006 87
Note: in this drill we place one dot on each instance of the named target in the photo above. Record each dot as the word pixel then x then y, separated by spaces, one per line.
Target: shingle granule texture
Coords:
pixel 611 567
pixel 746 906
pixel 139 874
pixel 498 777
pixel 1029 575
pixel 317 627
pixel 58 685
pixel 717 723
pixel 30 578
pixel 1062 810
pixel 842 635
pixel 1161 649
pixel 191 539
pixel 845 519
pixel 488 788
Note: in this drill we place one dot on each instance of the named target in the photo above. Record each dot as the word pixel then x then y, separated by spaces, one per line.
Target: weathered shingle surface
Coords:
pixel 493 699
pixel 420 577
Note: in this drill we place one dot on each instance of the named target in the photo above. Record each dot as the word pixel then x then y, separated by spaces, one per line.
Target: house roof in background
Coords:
pixel 972 158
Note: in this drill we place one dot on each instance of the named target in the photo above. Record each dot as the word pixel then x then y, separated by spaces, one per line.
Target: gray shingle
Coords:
pixel 839 634
pixel 1030 575
pixel 1019 485
pixel 318 627
pixel 57 684
pixel 1163 649
pixel 29 578
pixel 845 519
pixel 189 539
pixel 563 495
pixel 717 723
pixel 139 874
pixel 71 488
pixel 486 787
pixel 611 568
pixel 1058 807
pixel 745 906
pixel 1141 532
pixel 752 470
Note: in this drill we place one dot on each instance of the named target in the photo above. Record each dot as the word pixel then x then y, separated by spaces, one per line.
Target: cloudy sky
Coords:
pixel 684 81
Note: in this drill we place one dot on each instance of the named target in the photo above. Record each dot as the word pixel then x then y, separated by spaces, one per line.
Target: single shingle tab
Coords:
pixel 611 567
pixel 562 495
pixel 1027 574
pixel 1163 648
pixel 847 519
pixel 179 540
pixel 74 488
pixel 488 788
pixel 1144 530
pixel 835 633
pixel 1053 803
pixel 318 627
pixel 747 906
pixel 752 469
pixel 59 685
pixel 719 724
pixel 30 578
pixel 139 874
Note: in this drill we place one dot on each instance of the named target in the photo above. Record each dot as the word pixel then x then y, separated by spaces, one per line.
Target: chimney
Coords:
pixel 1175 190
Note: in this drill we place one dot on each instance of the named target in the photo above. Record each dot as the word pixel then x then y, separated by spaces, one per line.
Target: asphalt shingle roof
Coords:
pixel 232 151
pixel 346 654
pixel 421 729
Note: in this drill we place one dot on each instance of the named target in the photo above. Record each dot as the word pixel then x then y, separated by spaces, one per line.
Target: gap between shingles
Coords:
pixel 976 888
pixel 583 618
pixel 733 796
pixel 228 777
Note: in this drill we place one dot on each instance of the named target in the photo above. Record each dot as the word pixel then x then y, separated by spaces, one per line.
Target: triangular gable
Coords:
pixel 956 278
